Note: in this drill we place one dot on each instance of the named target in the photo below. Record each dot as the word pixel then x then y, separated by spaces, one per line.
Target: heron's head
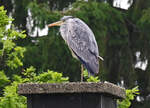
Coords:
pixel 62 21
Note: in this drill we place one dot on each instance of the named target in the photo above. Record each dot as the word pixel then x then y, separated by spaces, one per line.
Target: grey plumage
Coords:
pixel 81 41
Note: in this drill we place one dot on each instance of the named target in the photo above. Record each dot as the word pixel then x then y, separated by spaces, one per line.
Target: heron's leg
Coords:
pixel 82 72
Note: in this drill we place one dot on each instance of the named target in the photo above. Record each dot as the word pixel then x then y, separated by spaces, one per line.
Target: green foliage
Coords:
pixel 130 95
pixel 29 73
pixel 10 59
pixel 11 99
pixel 10 53
pixel 51 77
pixel 90 78
pixel 144 22
pixel 14 57
pixel 44 77
pixel 3 79
pixel 4 20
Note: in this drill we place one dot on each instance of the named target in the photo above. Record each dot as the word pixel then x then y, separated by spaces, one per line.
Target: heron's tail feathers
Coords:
pixel 101 58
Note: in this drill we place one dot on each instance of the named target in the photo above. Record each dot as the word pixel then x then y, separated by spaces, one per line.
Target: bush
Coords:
pixel 11 99
pixel 130 95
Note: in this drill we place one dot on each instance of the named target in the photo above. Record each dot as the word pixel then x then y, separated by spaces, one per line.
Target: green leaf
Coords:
pixel 130 95
pixel 3 79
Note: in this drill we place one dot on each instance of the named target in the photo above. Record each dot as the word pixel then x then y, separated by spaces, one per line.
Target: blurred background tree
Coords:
pixel 123 38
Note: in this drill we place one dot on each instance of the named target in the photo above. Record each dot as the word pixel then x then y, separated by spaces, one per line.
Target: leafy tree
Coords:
pixel 4 80
pixel 10 59
pixel 10 53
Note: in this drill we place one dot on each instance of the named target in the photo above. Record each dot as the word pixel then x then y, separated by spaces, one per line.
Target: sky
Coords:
pixel 122 3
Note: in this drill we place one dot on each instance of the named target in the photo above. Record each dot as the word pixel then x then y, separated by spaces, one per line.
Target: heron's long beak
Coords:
pixel 58 23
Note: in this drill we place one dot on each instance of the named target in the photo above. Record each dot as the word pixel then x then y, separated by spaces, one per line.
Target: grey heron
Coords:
pixel 81 41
